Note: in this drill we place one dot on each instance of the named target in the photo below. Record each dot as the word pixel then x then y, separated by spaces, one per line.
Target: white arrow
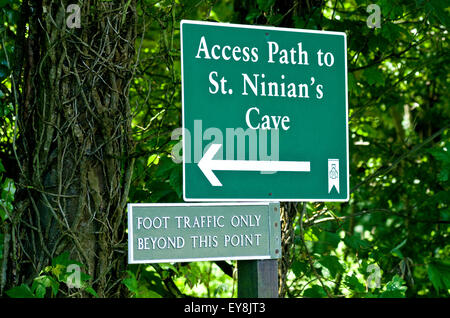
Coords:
pixel 207 165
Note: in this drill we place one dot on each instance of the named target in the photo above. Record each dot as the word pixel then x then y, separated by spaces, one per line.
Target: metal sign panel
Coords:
pixel 265 114
pixel 183 232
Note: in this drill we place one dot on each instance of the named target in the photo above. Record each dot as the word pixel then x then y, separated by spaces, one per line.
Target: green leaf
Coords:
pixel 40 291
pixel 440 154
pixel 265 5
pixel 41 283
pixel 356 243
pixel 395 288
pixel 352 86
pixel 439 274
pixel 332 263
pixel 327 241
pixel 440 9
pixel 298 268
pixel 220 289
pixel 144 292
pixel 153 160
pixel 397 12
pixel 252 14
pixel 396 250
pixel 3 217
pixel 3 3
pixel 84 277
pixel 63 259
pixel 275 19
pixel 397 253
pixel 168 266
pixel 353 283
pixel 176 181
pixel 393 32
pixel 315 291
pixel 310 235
pixel 4 71
pixel 22 291
pixel 130 281
pixel 374 76
pixel 443 175
pixel 445 215
pixel 91 291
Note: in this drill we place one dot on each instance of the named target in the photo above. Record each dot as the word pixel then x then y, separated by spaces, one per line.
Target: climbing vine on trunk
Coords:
pixel 72 140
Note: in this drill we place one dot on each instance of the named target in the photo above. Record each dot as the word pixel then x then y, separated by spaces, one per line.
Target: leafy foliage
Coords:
pixel 50 283
pixel 439 274
pixel 195 279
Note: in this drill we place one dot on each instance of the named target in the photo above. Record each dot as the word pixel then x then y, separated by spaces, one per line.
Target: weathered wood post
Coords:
pixel 258 279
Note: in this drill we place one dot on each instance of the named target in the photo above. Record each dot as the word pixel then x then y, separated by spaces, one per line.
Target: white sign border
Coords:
pixel 131 259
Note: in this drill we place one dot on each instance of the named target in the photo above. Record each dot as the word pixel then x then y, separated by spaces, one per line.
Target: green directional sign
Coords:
pixel 183 232
pixel 265 113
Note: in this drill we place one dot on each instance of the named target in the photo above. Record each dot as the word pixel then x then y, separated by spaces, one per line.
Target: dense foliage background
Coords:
pixel 390 240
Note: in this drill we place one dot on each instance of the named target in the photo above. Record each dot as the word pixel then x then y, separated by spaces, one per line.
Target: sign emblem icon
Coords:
pixel 333 174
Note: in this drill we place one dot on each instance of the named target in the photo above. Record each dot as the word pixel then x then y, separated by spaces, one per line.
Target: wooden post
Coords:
pixel 258 279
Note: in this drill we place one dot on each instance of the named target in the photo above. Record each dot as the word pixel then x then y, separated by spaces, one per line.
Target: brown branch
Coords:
pixel 381 59
pixel 168 282
pixel 311 264
pixel 225 267
pixel 341 218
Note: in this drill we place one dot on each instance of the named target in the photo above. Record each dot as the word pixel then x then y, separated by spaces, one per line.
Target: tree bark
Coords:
pixel 73 141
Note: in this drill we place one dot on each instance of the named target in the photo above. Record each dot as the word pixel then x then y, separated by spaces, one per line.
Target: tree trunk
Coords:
pixel 74 124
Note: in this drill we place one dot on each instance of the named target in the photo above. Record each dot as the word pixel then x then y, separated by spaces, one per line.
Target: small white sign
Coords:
pixel 333 174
